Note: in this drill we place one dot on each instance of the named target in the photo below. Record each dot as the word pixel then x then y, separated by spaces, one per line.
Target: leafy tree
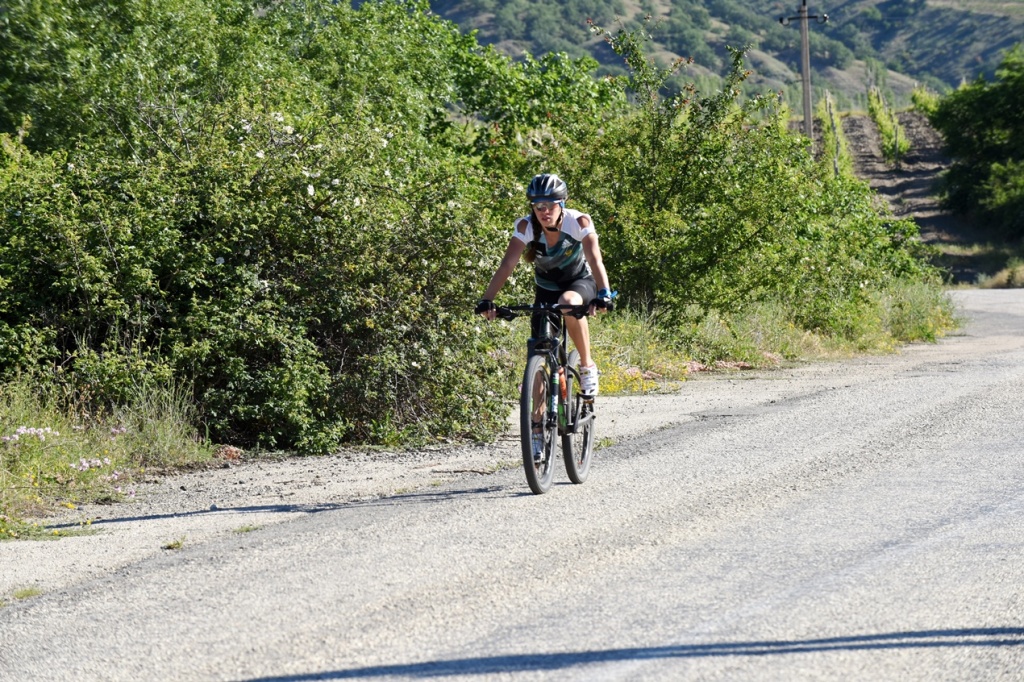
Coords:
pixel 291 207
pixel 85 69
pixel 709 204
pixel 285 245
pixel 984 133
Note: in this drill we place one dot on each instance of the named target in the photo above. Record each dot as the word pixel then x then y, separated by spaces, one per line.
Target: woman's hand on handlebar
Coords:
pixel 486 308
pixel 604 301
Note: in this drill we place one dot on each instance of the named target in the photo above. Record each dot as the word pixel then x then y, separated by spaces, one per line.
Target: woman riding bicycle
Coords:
pixel 568 269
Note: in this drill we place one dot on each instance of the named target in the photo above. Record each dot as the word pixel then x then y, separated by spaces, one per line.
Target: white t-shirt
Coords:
pixel 564 262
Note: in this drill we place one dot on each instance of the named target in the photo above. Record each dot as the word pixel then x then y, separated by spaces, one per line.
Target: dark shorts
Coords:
pixel 586 287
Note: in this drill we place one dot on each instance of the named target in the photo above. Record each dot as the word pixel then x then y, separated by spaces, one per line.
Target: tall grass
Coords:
pixel 916 311
pixel 636 354
pixel 1009 276
pixel 57 450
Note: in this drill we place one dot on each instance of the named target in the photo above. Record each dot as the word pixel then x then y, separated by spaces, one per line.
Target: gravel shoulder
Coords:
pixel 203 506
pixel 855 518
pixel 215 504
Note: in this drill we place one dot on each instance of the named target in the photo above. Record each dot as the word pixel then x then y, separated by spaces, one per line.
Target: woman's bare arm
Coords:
pixel 508 264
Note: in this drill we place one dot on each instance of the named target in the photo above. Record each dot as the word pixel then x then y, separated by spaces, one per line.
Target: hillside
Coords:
pixel 896 43
pixel 910 192
pixel 908 189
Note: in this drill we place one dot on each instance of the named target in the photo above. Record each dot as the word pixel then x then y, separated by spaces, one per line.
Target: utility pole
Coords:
pixel 805 60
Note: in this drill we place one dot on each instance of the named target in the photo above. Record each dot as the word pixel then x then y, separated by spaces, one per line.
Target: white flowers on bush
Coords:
pixel 31 432
pixel 309 190
pixel 86 464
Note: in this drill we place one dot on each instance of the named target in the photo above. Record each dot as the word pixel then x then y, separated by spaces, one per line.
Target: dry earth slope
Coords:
pixel 910 188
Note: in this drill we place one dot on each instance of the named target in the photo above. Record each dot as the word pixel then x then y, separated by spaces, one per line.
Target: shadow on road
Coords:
pixel 929 639
pixel 423 497
pixel 253 509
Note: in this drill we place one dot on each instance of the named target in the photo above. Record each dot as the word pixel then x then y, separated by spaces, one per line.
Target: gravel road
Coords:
pixel 854 520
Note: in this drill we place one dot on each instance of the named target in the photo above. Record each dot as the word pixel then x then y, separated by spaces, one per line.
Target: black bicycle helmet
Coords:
pixel 547 187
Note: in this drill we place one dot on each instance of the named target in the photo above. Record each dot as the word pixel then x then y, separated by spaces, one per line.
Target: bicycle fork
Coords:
pixel 556 408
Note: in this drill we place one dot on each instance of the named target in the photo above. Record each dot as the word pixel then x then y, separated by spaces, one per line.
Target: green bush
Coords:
pixel 297 249
pixel 835 151
pixel 925 100
pixel 708 205
pixel 305 295
pixel 984 133
pixel 290 212
pixel 1004 201
pixel 895 144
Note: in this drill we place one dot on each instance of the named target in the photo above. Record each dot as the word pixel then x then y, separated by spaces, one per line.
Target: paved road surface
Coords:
pixel 860 520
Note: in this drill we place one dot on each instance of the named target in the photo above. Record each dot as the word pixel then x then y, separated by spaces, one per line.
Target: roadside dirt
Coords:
pixel 910 188
pixel 247 495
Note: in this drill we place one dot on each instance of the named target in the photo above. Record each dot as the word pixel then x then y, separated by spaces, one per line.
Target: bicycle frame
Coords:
pixel 555 347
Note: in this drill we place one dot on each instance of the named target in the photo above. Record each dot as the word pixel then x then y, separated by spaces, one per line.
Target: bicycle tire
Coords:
pixel 536 383
pixel 578 447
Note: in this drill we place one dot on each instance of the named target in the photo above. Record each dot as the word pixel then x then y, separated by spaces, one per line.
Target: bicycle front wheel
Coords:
pixel 578 438
pixel 537 425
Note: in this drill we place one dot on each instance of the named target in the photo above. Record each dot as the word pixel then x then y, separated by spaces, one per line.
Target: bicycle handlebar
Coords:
pixel 510 312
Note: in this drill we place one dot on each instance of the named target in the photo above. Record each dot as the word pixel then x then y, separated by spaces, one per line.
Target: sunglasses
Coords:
pixel 545 205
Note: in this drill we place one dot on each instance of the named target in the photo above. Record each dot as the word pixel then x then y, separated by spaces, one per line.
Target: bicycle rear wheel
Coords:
pixel 534 408
pixel 577 445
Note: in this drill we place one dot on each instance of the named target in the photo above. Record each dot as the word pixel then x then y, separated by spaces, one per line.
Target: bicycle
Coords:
pixel 551 403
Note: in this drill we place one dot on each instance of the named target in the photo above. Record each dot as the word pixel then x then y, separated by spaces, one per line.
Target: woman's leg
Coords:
pixel 577 327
